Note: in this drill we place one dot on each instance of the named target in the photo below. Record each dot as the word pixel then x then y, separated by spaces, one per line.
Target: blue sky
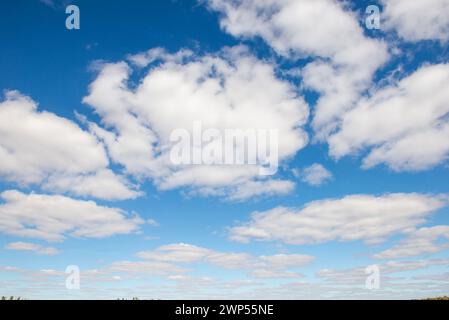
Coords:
pixel 85 177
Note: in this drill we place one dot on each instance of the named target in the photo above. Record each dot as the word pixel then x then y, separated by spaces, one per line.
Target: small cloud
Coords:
pixel 315 175
pixel 49 3
pixel 33 216
pixel 296 172
pixel 91 46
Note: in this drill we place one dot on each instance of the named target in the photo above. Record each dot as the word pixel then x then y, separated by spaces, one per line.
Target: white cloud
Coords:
pixel 27 246
pixel 273 266
pixel 273 274
pixel 357 217
pixel 143 59
pixel 405 125
pixel 151 268
pixel 34 144
pixel 166 281
pixel 49 3
pixel 358 276
pixel 316 175
pixel 403 266
pixel 103 184
pixel 248 189
pixel 152 222
pixel 259 188
pixel 38 147
pixel 286 260
pixel 418 242
pixel 324 29
pixel 419 19
pixel 52 218
pixel 233 260
pixel 228 90
pixel 175 253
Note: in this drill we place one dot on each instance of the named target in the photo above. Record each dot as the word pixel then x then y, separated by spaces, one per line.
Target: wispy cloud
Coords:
pixel 36 248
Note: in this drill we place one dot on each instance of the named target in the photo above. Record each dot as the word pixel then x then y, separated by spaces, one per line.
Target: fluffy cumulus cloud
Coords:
pixel 54 217
pixel 274 266
pixel 404 126
pixel 358 275
pixel 345 59
pixel 371 219
pixel 418 242
pixel 103 184
pixel 316 175
pixel 49 3
pixel 419 19
pixel 33 247
pixel 38 147
pixel 33 143
pixel 228 90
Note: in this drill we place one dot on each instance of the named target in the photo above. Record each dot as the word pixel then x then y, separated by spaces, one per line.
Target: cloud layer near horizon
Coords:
pixel 228 90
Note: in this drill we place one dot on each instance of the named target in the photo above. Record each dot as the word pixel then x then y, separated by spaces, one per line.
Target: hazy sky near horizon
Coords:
pixel 86 178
